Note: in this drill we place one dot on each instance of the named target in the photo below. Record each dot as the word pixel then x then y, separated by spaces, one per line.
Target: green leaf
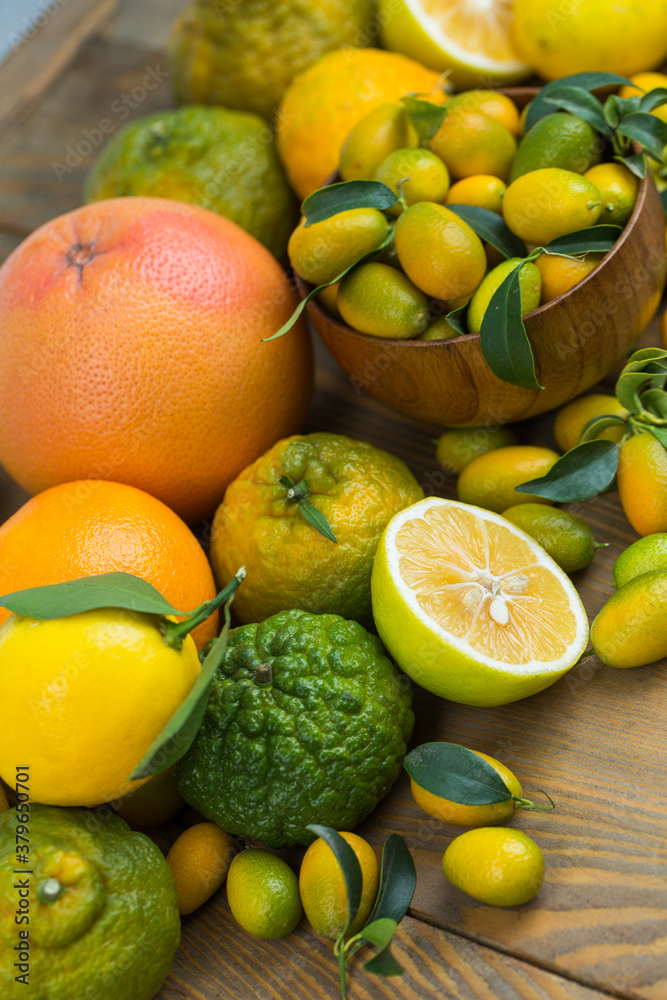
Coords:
pixel 491 227
pixel 655 401
pixel 455 773
pixel 580 474
pixel 317 519
pixel 384 964
pixel 178 735
pixel 425 116
pixel 646 369
pixel 647 130
pixel 653 99
pixel 660 433
pixel 329 201
pixel 349 866
pixel 458 319
pixel 398 880
pixel 596 424
pixel 617 108
pixel 663 199
pixel 540 108
pixel 581 103
pixel 380 932
pixel 636 164
pixel 107 590
pixel 594 239
pixel 503 336
pixel 286 327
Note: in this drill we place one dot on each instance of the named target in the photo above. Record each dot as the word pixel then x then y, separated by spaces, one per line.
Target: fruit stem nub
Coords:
pixel 49 890
pixel 520 803
pixel 264 675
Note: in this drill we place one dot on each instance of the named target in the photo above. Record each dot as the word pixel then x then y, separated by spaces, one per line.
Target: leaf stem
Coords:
pixel 520 803
pixel 174 633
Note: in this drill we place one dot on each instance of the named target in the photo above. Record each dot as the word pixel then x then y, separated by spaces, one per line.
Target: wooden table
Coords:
pixel 595 740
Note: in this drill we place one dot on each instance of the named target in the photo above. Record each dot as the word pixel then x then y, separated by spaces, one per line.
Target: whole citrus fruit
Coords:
pixel 560 274
pixel 489 102
pixel 642 483
pixel 94 526
pixel 631 628
pixel 573 417
pixel 496 866
pixel 569 541
pixel 642 556
pixel 307 722
pixel 89 694
pixel 557 140
pixel 322 886
pixel 290 564
pixel 153 803
pixel 471 607
pixel 550 202
pixel 245 55
pixel 383 131
pixel 457 446
pixel 468 41
pixel 459 814
pixel 471 142
pixel 590 36
pixel 419 174
pixel 530 284
pixel 643 82
pixel 159 292
pixel 324 250
pixel 199 861
pixel 438 251
pixel 381 300
pixel 490 480
pixel 263 894
pixel 618 189
pixel 103 913
pixel 223 160
pixel 325 102
pixel 482 190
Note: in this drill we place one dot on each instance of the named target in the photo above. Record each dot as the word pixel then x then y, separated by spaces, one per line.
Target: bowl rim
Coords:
pixel 305 288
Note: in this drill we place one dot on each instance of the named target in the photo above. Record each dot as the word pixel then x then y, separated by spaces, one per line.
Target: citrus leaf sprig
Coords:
pixel 453 772
pixel 591 466
pixel 398 880
pixel 298 493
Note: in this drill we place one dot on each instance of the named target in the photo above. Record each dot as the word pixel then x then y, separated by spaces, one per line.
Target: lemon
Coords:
pixel 482 190
pixel 470 142
pixel 530 285
pixel 263 894
pixel 438 251
pixel 618 189
pixel 567 539
pixel 323 890
pixel 466 38
pixel 558 140
pixel 383 131
pixel 457 446
pixel 590 36
pixel 471 607
pixel 321 252
pixel 420 174
pixel 573 417
pixel 498 867
pixel 643 82
pixel 646 554
pixel 459 814
pixel 199 861
pixel 631 628
pixel 550 202
pixel 490 480
pixel 382 301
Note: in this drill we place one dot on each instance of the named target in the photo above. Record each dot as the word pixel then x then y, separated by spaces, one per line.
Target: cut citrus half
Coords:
pixel 471 38
pixel 471 607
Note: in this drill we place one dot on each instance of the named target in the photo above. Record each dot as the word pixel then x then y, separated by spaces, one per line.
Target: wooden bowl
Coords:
pixel 576 339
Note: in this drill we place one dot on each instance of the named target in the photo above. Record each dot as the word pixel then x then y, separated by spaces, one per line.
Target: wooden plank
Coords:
pixel 144 25
pixel 55 38
pixel 218 960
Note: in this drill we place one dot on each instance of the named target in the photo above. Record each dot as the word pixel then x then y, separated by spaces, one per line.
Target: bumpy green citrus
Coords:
pixel 103 912
pixel 223 160
pixel 245 55
pixel 558 140
pixel 307 722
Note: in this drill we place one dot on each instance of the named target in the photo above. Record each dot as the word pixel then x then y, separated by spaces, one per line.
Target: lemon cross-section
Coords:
pixel 471 607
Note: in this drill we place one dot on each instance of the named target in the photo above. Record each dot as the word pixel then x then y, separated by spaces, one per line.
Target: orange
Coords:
pixel 460 814
pixel 324 103
pixel 560 274
pixel 132 351
pixel 642 483
pixel 199 860
pixel 490 102
pixel 643 83
pixel 91 526
pixel 573 417
pixel 470 142
pixel 322 887
pixel 482 190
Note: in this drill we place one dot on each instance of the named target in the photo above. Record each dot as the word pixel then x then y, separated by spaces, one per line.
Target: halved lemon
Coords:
pixel 469 37
pixel 471 607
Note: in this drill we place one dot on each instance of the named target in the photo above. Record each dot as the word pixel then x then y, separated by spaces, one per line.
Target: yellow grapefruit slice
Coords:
pixel 471 607
pixel 469 37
